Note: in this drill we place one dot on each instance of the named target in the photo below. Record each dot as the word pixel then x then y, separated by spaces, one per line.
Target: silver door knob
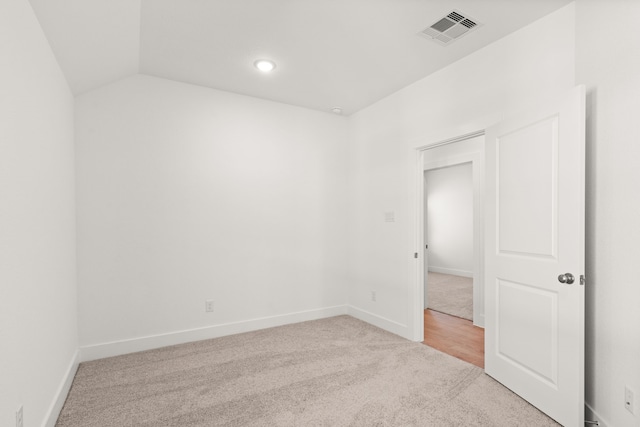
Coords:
pixel 566 278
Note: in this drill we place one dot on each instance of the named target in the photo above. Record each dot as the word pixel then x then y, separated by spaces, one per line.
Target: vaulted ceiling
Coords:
pixel 329 53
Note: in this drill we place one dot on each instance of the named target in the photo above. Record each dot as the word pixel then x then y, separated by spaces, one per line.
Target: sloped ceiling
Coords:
pixel 344 53
pixel 95 41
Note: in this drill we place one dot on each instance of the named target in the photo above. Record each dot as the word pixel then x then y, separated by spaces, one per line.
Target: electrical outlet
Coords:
pixel 628 399
pixel 373 296
pixel 208 306
pixel 19 417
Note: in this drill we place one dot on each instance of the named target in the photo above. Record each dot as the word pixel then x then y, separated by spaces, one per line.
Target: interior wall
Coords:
pixel 529 66
pixel 608 62
pixel 38 330
pixel 449 219
pixel 187 194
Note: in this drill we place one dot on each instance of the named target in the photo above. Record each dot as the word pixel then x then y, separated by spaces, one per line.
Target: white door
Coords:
pixel 534 330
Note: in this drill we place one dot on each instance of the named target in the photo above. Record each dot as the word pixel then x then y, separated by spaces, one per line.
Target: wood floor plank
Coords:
pixel 455 336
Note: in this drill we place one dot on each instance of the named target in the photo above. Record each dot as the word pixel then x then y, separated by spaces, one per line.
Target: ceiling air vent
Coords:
pixel 450 28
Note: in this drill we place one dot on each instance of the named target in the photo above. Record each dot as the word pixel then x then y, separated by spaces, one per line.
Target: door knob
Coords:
pixel 566 278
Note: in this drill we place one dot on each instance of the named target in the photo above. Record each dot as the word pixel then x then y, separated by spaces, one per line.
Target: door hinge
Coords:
pixel 415 255
pixel 583 280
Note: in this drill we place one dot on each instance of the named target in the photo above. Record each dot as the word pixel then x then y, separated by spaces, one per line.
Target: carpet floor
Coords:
pixel 330 372
pixel 450 294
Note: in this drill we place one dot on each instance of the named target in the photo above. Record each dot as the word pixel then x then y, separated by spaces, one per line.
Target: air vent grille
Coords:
pixel 450 28
pixel 468 23
pixel 455 16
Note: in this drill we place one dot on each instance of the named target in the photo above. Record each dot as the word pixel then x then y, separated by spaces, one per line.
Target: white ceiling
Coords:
pixel 345 53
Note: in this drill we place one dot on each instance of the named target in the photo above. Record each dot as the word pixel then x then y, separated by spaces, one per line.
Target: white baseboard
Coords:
pixel 62 392
pixel 453 271
pixel 591 415
pixel 479 321
pixel 117 348
pixel 379 321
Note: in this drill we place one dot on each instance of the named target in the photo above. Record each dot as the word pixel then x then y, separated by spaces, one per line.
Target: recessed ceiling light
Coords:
pixel 264 65
pixel 337 110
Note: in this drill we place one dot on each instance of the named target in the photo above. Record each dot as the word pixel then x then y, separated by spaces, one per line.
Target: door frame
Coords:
pixel 417 294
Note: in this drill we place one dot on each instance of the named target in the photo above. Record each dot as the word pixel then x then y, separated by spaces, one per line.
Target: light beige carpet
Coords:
pixel 450 294
pixel 331 372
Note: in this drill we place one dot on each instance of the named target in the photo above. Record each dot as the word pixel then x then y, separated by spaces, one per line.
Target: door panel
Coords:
pixel 529 154
pixel 520 304
pixel 534 330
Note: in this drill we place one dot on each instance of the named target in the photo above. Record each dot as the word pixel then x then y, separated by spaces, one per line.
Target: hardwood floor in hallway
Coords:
pixel 455 336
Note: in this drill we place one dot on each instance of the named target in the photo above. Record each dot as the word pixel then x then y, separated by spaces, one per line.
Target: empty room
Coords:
pixel 215 212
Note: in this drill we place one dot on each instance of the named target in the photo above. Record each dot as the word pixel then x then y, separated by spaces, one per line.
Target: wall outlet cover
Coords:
pixel 628 400
pixel 209 306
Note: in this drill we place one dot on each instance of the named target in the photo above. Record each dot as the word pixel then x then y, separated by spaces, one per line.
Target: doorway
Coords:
pixel 467 150
pixel 452 249
pixel 448 210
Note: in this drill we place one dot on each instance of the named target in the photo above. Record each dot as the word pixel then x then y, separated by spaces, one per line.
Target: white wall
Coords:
pixel 38 331
pixel 608 62
pixel 529 66
pixel 187 194
pixel 449 219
